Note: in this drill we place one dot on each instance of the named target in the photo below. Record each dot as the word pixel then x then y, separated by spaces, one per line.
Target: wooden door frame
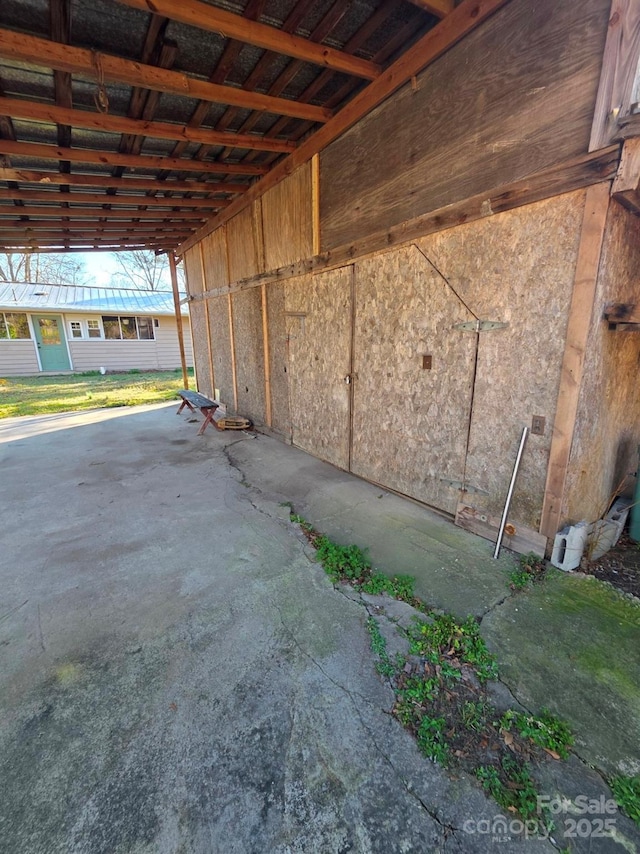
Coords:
pixel 32 318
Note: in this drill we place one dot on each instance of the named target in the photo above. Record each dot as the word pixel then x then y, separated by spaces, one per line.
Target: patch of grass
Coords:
pixel 76 392
pixel 348 563
pixel 546 730
pixel 626 791
pixel 379 648
pixel 510 784
pixel 462 641
pixel 530 569
pixel 432 739
pixel 474 714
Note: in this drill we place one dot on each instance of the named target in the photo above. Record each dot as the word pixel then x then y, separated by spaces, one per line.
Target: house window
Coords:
pixel 145 328
pixel 76 328
pixel 127 328
pixel 93 329
pixel 14 325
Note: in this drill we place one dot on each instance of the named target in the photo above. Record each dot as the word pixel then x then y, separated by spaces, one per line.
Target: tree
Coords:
pixel 143 269
pixel 51 269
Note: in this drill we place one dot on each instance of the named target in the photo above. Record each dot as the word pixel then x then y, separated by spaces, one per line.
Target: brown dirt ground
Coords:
pixel 620 566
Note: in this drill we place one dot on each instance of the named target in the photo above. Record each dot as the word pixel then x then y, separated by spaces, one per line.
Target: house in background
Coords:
pixel 59 328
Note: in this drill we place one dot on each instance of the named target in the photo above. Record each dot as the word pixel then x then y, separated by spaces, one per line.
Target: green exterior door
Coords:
pixel 52 345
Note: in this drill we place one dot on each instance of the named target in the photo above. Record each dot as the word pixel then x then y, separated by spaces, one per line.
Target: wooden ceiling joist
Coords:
pixel 29 176
pixel 107 123
pixel 126 200
pixel 144 162
pixel 213 19
pixel 60 57
pixel 79 213
pixel 465 18
pixel 439 8
pixel 84 228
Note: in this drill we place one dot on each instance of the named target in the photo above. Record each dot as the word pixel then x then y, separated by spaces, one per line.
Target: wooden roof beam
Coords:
pixel 28 176
pixel 465 18
pixel 84 226
pixel 206 17
pixel 107 123
pixel 127 200
pixel 128 161
pixel 78 213
pixel 48 54
pixel 439 8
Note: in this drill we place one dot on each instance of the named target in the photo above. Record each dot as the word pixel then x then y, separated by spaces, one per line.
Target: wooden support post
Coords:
pixel 267 357
pixel 232 341
pixel 580 312
pixel 315 196
pixel 212 387
pixel 176 306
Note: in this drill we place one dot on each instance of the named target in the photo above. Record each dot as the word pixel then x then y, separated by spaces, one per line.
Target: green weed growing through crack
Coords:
pixel 440 686
pixel 626 791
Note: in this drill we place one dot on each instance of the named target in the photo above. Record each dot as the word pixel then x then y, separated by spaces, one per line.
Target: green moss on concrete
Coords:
pixel 573 644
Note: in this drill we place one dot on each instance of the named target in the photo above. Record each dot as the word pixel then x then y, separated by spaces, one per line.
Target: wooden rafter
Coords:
pixel 439 8
pixel 78 213
pixel 28 176
pixel 128 161
pixel 42 52
pixel 465 18
pixel 127 200
pixel 34 111
pixel 197 14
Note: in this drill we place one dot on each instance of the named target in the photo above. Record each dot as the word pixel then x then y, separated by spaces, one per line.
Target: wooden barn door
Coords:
pixel 413 378
pixel 318 311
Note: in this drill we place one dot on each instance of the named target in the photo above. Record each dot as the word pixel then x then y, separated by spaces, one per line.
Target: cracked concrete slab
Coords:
pixel 176 674
pixel 412 540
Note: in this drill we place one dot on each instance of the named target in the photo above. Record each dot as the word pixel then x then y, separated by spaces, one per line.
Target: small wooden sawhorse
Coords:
pixel 194 400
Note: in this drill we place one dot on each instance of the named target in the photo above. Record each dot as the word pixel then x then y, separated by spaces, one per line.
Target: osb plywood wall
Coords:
pixel 607 432
pixel 318 317
pixel 221 347
pixel 249 354
pixel 497 121
pixel 278 358
pixel 516 267
pixel 410 420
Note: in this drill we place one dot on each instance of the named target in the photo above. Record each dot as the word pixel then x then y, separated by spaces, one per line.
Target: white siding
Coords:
pixel 18 358
pixel 167 341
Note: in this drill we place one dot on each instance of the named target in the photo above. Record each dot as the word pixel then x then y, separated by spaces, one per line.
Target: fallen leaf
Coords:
pixel 508 738
pixel 512 809
pixel 173 707
pixel 551 752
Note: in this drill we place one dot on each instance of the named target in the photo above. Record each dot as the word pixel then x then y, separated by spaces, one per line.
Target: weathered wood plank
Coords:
pixel 470 123
pixel 580 172
pixel 628 175
pixel 586 276
pixel 517 537
pixel 463 20
pixel 287 220
pixel 619 68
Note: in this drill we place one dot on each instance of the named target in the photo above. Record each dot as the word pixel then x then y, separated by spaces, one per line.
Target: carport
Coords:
pixel 409 227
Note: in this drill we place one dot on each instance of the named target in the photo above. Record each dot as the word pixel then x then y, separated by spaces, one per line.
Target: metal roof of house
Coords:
pixel 18 296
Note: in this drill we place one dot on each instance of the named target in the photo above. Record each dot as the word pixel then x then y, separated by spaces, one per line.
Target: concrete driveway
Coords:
pixel 178 675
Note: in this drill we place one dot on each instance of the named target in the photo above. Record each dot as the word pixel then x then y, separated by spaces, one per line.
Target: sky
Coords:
pixel 101 266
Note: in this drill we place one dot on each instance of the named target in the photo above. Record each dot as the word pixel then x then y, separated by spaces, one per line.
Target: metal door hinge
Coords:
pixel 464 487
pixel 480 325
